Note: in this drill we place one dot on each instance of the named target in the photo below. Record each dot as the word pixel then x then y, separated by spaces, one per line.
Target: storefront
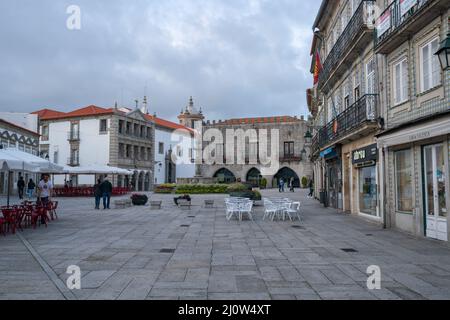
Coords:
pixel 333 177
pixel 416 178
pixel 364 161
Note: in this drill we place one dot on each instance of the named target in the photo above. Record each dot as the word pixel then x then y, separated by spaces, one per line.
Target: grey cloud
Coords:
pixel 237 58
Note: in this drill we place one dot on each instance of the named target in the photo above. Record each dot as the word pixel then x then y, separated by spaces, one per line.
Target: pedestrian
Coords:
pixel 106 190
pixel 281 185
pixel 311 188
pixel 97 194
pixel 291 185
pixel 20 187
pixel 45 188
pixel 30 188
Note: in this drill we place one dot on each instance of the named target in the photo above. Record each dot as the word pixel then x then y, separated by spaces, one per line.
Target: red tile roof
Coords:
pixel 44 113
pixel 167 124
pixel 48 114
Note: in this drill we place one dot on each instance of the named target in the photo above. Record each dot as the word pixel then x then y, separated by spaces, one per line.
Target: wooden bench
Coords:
pixel 122 204
pixel 209 204
pixel 155 205
pixel 184 204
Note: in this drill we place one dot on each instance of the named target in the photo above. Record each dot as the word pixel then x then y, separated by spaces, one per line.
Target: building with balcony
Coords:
pixel 345 107
pixel 100 136
pixel 415 95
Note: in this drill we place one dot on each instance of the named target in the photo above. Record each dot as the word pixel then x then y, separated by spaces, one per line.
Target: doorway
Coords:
pixel 435 175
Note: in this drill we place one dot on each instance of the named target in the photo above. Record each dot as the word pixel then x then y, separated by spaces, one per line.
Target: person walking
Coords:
pixel 45 189
pixel 106 190
pixel 291 185
pixel 30 188
pixel 20 187
pixel 97 194
pixel 311 188
pixel 281 185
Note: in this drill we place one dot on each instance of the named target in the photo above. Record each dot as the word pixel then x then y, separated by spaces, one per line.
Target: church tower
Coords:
pixel 190 115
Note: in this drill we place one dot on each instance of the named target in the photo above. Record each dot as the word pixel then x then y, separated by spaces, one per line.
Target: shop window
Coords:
pixel 403 180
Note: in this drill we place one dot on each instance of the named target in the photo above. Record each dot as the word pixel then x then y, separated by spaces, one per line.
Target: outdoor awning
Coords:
pixel 96 169
pixel 16 160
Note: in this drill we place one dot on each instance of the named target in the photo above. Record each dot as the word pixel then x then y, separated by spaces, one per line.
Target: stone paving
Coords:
pixel 121 255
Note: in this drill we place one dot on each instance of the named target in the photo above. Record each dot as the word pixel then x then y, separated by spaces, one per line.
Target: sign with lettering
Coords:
pixel 384 23
pixel 406 5
pixel 366 154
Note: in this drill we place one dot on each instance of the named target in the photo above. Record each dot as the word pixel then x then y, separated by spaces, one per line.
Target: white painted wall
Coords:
pixel 94 147
pixel 185 169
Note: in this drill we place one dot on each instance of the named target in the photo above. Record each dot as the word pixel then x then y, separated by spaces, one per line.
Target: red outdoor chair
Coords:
pixel 2 226
pixel 10 218
pixel 51 208
pixel 39 215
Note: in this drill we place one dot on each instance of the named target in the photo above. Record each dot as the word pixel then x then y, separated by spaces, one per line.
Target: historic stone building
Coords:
pixel 293 149
pixel 100 136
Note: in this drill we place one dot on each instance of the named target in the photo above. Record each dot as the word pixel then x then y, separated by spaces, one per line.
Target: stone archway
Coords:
pixel 286 174
pixel 254 177
pixel 225 176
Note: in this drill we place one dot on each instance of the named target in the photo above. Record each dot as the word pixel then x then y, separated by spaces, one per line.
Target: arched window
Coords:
pixel 225 176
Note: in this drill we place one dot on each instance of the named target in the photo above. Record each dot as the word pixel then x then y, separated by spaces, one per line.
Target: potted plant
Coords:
pixel 139 199
pixel 263 183
pixel 304 182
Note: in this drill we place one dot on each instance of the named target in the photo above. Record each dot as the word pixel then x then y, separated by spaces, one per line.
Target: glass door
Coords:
pixel 435 175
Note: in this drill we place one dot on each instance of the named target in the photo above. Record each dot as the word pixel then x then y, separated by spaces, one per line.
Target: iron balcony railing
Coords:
pixel 73 161
pixel 360 21
pixel 362 111
pixel 290 158
pixel 395 16
pixel 73 136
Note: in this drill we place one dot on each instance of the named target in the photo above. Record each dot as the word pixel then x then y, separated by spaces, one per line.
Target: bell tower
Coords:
pixel 190 115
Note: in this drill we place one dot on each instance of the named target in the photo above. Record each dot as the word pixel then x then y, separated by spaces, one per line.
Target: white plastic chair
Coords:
pixel 294 209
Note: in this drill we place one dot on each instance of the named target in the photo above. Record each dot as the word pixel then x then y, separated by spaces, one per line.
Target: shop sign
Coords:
pixel 365 155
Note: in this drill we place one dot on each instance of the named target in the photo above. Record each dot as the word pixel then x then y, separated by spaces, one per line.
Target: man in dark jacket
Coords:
pixel 106 188
pixel 20 187
pixel 97 194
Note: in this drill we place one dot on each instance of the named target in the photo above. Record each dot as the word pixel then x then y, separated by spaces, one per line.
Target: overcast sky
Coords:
pixel 236 57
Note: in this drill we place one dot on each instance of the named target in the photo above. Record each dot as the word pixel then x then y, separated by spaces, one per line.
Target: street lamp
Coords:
pixel 444 53
pixel 308 137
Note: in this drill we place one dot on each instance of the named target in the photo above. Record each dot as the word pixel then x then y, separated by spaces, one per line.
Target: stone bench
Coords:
pixel 209 204
pixel 155 205
pixel 122 204
pixel 184 204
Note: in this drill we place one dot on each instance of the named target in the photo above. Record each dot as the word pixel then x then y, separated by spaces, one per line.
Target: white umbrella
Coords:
pixel 16 160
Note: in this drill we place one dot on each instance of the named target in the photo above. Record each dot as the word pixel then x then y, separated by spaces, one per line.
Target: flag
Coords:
pixel 317 68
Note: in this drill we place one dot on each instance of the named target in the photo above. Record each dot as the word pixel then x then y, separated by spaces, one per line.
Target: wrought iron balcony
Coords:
pixel 357 35
pixel 290 158
pixel 401 19
pixel 362 112
pixel 73 161
pixel 73 136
